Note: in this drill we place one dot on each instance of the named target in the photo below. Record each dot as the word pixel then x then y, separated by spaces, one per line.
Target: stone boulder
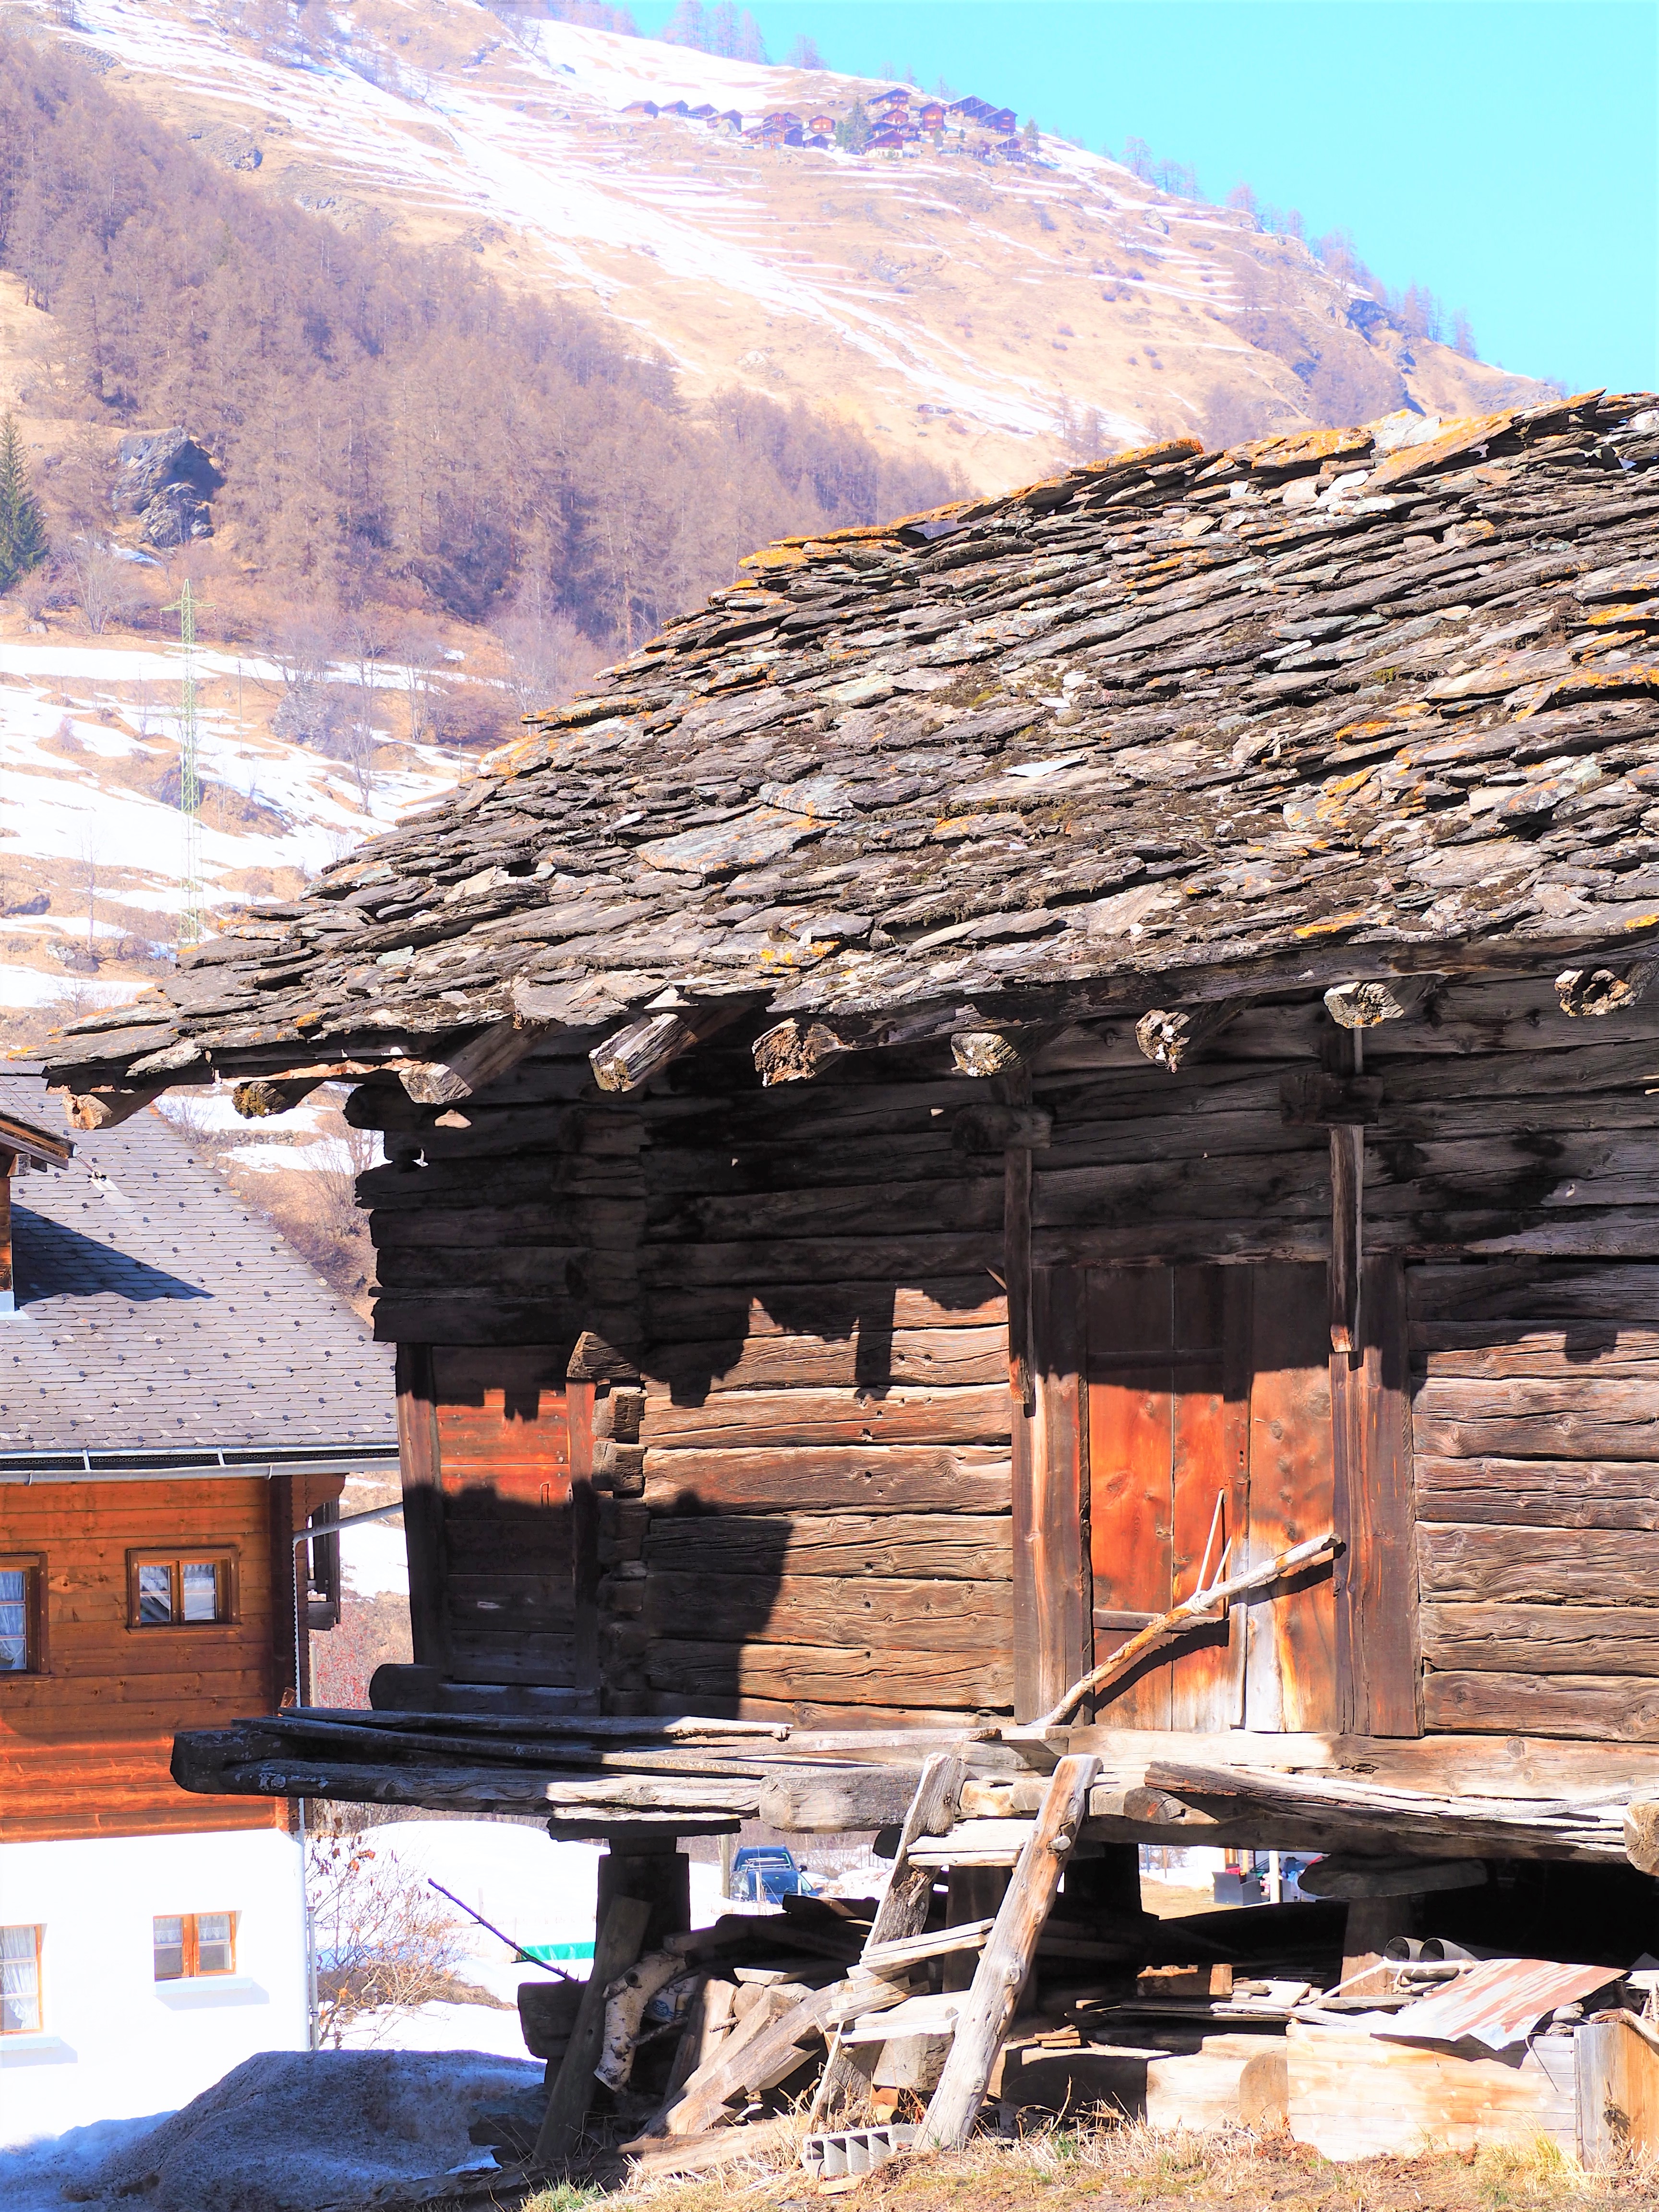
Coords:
pixel 165 483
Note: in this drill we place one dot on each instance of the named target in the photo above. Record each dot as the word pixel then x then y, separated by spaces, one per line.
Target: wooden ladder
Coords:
pixel 1038 1859
pixel 1004 1963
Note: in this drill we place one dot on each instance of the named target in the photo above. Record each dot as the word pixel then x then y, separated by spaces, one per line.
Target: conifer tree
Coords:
pixel 22 526
pixel 852 132
pixel 1031 135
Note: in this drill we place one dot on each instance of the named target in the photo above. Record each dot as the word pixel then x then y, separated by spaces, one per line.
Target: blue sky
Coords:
pixel 1504 153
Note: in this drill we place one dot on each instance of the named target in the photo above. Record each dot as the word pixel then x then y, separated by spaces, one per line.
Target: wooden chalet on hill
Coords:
pixel 1014 1064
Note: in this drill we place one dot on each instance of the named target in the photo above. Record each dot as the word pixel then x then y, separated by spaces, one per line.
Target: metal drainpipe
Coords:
pixel 304 1535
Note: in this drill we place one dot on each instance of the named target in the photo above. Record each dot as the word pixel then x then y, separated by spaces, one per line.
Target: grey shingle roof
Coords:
pixel 157 1314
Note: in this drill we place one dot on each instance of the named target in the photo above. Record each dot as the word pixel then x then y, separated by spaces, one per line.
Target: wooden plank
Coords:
pixel 1532 1292
pixel 756 1419
pixel 1052 1631
pixel 1376 1582
pixel 1605 1709
pixel 1486 1350
pixel 919 1546
pixel 870 1611
pixel 614 1951
pixel 1004 1963
pixel 971 1681
pixel 743 1314
pixel 1549 1493
pixel 1543 1639
pixel 1290 1662
pixel 870 1354
pixel 1566 1417
pixel 1131 1317
pixel 1347 1168
pixel 1017 1278
pixel 911 1256
pixel 1202 1673
pixel 831 1479
pixel 1541 1567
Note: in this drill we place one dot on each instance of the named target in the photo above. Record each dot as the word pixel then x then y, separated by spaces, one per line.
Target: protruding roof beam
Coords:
pixel 474 1066
pixel 999 1052
pixel 256 1101
pixel 795 1051
pixel 105 1109
pixel 644 1048
pixel 1589 991
pixel 1168 1037
pixel 1380 999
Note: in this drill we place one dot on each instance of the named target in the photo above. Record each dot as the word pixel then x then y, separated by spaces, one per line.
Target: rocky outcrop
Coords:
pixel 166 483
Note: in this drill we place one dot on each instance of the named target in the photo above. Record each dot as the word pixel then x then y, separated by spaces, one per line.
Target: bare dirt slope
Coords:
pixel 993 313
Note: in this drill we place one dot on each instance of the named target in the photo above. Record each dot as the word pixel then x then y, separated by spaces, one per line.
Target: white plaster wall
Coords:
pixel 115 2043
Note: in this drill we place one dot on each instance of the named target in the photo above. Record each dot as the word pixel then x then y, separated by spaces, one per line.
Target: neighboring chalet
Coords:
pixel 178 1394
pixel 1010 1057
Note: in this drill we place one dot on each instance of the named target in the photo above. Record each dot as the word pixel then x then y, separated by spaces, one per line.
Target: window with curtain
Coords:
pixel 20 1981
pixel 189 1944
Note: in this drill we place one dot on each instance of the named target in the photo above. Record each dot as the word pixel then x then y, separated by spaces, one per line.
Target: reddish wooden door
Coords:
pixel 1209 1421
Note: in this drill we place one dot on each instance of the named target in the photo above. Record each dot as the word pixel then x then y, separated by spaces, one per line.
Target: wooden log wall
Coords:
pixel 822 1527
pixel 1504 1126
pixel 1535 1431
pixel 85 1745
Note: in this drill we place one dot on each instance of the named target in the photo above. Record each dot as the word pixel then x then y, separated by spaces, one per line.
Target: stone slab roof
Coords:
pixel 1346 703
pixel 159 1317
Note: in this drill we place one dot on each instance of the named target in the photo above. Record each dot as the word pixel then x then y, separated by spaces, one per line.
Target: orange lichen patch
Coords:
pixel 1594 684
pixel 1463 437
pixel 1331 925
pixel 1641 612
pixel 1299 452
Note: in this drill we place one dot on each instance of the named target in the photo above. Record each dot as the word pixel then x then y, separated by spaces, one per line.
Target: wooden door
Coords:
pixel 1208 1421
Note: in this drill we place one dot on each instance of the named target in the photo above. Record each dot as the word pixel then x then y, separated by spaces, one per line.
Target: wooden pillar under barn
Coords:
pixel 647 1863
pixel 8 1286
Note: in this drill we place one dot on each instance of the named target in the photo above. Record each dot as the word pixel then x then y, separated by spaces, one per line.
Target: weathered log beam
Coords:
pixel 1313 1098
pixel 1588 992
pixel 259 1099
pixel 107 1110
pixel 644 1048
pixel 1000 1052
pixel 795 1051
pixel 1641 1834
pixel 471 1067
pixel 1363 1006
pixel 1168 1037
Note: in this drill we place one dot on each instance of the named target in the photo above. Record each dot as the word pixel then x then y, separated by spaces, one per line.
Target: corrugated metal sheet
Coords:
pixel 1498 2002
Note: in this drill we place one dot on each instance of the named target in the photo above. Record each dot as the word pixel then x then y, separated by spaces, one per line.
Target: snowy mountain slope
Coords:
pixel 92 854
pixel 989 313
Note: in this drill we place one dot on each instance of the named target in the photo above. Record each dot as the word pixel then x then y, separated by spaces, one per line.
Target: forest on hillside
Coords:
pixel 396 431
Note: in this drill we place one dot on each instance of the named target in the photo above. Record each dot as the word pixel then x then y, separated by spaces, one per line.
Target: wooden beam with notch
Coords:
pixel 107 1110
pixel 795 1051
pixel 258 1100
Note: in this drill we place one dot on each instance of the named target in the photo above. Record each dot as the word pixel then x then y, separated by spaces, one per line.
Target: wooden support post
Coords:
pixel 1616 2082
pixel 972 1894
pixel 1006 1963
pixel 1372 1924
pixel 1053 1589
pixel 646 1046
pixel 1347 1208
pixel 423 1506
pixel 621 1934
pixel 1017 1263
pixel 648 1864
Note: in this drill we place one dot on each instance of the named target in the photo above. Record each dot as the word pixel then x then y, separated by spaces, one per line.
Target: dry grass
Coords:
pixel 1129 2168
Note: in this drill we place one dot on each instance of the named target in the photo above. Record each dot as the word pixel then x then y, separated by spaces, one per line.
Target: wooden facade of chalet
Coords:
pixel 1013 1057
pixel 178 1396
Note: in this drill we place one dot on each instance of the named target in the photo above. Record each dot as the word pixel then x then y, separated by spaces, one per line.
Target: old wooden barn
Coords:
pixel 1013 1067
